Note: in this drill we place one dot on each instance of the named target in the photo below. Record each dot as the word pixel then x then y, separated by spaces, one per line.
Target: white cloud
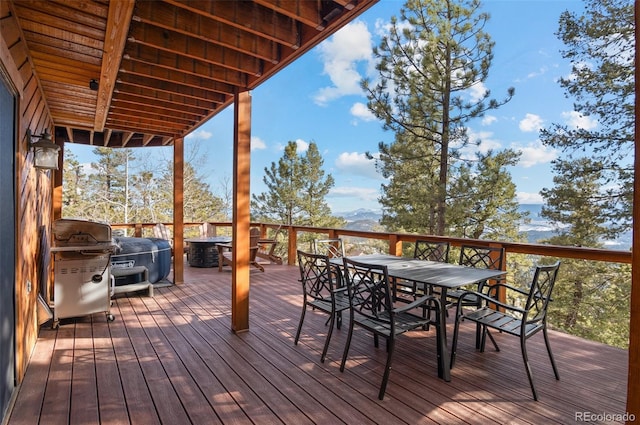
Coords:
pixel 87 169
pixel 477 91
pixel 367 194
pixel 340 55
pixel 535 153
pixel 486 140
pixel 257 143
pixel 531 122
pixel 199 135
pixel 302 146
pixel 576 120
pixel 578 66
pixel 488 120
pixel 358 164
pixel 539 72
pixel 529 198
pixel 360 111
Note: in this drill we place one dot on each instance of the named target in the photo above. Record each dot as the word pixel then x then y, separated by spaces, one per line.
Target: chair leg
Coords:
pixel 304 310
pixel 546 341
pixel 493 341
pixel 387 369
pixel 346 346
pixel 326 342
pixel 338 320
pixel 454 341
pixel 523 347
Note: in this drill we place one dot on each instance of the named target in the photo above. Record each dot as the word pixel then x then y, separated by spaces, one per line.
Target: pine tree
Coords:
pixel 591 298
pixel 108 185
pixel 76 198
pixel 600 45
pixel 297 188
pixel 433 55
pixel 482 199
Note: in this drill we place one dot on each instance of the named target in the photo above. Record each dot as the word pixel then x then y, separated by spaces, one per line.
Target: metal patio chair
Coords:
pixel 332 247
pixel 320 292
pixel 521 321
pixel 371 307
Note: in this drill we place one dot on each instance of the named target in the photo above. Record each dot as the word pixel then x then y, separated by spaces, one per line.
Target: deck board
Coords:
pixel 174 359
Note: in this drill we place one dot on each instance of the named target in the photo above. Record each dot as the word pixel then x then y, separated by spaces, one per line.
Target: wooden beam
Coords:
pixel 178 211
pixel 633 383
pixel 162 15
pixel 118 20
pixel 146 138
pixel 205 76
pixel 304 11
pixel 179 47
pixel 8 66
pixel 58 175
pixel 170 91
pixel 241 220
pixel 245 16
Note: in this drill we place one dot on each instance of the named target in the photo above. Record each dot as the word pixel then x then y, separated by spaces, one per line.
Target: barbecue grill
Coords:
pixel 82 285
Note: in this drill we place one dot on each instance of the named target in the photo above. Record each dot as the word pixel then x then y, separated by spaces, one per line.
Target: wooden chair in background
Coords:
pixel 225 256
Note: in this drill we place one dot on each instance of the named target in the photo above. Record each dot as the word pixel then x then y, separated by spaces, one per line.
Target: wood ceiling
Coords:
pixel 162 67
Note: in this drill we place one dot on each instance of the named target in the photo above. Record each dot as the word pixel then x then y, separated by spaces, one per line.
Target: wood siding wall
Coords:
pixel 33 191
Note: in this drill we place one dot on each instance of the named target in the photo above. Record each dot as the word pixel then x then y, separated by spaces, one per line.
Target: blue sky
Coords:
pixel 318 99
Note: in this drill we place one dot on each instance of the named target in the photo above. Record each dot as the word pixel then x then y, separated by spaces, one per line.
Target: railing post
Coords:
pixel 292 246
pixel 502 291
pixel 395 245
pixel 137 230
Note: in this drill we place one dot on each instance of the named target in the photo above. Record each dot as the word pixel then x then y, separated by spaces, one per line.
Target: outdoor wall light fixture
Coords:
pixel 93 84
pixel 45 152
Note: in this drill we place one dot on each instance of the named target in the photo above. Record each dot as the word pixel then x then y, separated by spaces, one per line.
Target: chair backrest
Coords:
pixel 432 251
pixel 277 232
pixel 162 232
pixel 315 275
pixel 208 230
pixel 254 237
pixel 482 257
pixel 544 279
pixel 369 290
pixel 332 247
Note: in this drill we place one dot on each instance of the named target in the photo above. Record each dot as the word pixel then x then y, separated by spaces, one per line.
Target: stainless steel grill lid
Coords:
pixel 73 232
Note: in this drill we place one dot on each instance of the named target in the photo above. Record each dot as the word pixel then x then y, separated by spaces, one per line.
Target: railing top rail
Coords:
pixel 596 254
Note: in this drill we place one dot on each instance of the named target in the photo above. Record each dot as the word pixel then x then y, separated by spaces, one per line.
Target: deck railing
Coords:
pixel 396 240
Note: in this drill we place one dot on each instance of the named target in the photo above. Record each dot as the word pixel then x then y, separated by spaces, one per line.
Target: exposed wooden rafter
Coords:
pixel 162 67
pixel 120 13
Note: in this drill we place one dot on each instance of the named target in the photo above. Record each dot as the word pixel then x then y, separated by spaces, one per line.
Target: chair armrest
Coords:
pixel 222 246
pixel 270 243
pixel 495 287
pixel 487 299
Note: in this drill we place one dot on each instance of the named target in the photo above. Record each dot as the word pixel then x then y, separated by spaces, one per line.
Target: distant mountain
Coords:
pixel 536 229
pixel 361 214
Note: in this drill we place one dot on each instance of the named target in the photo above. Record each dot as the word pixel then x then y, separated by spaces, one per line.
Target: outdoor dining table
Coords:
pixel 442 275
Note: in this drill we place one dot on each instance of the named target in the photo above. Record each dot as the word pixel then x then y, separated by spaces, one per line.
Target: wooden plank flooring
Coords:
pixel 173 359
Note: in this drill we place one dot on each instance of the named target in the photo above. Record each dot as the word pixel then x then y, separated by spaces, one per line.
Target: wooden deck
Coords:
pixel 172 359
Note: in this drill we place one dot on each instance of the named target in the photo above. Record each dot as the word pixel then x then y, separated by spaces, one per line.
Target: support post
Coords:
pixel 241 220
pixel 178 211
